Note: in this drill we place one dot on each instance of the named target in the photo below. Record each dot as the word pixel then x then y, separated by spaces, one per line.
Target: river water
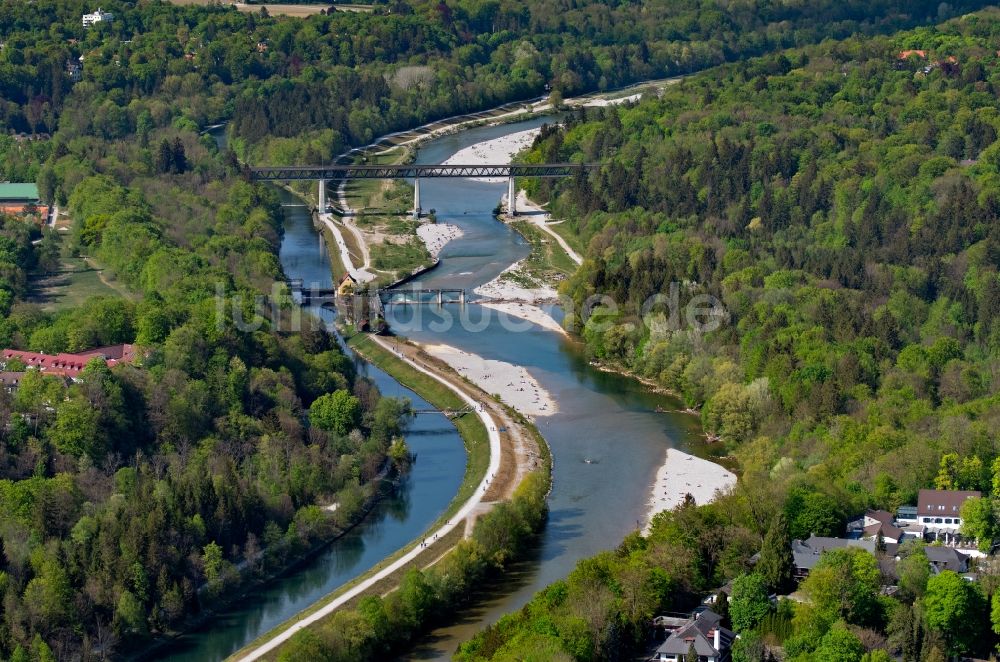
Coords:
pixel 607 438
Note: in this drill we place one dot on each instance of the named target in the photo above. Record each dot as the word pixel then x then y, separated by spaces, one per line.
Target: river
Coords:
pixel 607 438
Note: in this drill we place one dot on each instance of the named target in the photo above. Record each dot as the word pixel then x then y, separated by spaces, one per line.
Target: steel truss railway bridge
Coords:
pixel 322 174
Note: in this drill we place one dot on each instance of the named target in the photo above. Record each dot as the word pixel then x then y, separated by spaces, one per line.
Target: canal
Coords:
pixel 418 501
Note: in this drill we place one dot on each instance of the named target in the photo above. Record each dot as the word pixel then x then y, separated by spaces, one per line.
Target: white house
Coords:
pixel 97 17
pixel 940 511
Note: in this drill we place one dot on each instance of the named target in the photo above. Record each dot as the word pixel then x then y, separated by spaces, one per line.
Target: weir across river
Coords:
pixel 417 172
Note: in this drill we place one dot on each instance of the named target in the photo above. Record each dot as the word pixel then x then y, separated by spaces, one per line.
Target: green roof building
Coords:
pixel 18 193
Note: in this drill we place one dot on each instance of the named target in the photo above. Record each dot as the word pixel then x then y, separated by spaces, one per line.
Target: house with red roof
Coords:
pixel 70 365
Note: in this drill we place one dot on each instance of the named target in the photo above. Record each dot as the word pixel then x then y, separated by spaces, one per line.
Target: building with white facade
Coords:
pixel 940 511
pixel 97 17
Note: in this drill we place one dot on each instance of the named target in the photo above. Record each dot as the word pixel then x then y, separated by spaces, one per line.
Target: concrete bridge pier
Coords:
pixel 511 197
pixel 416 197
pixel 322 196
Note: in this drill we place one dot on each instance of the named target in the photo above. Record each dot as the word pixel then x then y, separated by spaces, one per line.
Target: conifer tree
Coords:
pixel 776 564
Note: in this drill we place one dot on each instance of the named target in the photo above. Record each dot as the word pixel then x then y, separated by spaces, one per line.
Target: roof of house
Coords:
pixel 8 378
pixel 70 365
pixel 884 523
pixel 946 558
pixel 888 531
pixel 124 352
pixel 905 54
pixel 18 191
pixel 943 502
pixel 700 632
pixel 807 552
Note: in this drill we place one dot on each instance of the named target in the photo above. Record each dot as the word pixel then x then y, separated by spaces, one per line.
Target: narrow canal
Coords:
pixel 607 437
pixel 419 500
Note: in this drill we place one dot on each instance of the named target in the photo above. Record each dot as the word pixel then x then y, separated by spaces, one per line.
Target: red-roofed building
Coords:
pixel 905 54
pixel 71 365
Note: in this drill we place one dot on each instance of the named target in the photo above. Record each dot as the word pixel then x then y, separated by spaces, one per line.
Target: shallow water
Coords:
pixel 607 438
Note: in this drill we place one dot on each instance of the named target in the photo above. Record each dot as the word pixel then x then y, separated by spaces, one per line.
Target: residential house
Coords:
pixel 97 17
pixel 711 641
pixel 10 380
pixel 348 284
pixel 946 558
pixel 874 523
pixel 806 553
pixel 940 512
pixel 73 70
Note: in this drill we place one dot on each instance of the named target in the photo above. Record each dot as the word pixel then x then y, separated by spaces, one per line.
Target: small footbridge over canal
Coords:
pixel 450 413
pixel 385 296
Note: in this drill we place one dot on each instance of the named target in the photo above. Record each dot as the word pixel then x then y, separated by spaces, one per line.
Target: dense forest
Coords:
pixel 842 202
pixel 133 495
pixel 302 89
pixel 136 496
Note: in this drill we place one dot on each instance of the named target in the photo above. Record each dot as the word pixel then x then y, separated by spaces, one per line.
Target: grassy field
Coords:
pixel 477 445
pixel 74 283
pixel 299 10
pixel 547 256
pixel 574 241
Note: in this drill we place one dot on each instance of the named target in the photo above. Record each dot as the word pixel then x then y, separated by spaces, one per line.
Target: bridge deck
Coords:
pixel 289 173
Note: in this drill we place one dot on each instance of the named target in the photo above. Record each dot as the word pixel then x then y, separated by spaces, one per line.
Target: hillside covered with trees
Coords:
pixel 842 202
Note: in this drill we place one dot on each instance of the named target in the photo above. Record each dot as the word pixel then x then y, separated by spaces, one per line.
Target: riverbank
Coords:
pixel 497 150
pixel 512 384
pixel 538 216
pixel 683 474
pixel 437 235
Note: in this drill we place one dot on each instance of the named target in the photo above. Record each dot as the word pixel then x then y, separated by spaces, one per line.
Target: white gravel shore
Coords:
pixel 527 312
pixel 601 103
pixel 513 383
pixel 682 474
pixel 498 150
pixel 436 235
pixel 504 288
